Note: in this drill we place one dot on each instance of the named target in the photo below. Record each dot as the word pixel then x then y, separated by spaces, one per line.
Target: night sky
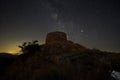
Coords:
pixel 92 23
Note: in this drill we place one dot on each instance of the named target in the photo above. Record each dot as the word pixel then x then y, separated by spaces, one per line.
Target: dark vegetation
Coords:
pixel 61 60
pixel 5 60
pixel 30 47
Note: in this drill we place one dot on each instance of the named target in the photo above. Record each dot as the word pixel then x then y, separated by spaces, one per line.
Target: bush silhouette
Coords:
pixel 29 47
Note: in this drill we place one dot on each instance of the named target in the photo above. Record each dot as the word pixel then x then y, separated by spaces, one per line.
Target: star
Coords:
pixel 55 16
pixel 81 30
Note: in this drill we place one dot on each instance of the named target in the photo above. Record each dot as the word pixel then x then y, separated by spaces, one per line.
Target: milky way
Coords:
pixel 55 13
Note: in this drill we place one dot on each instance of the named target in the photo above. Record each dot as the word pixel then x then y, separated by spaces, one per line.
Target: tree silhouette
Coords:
pixel 30 47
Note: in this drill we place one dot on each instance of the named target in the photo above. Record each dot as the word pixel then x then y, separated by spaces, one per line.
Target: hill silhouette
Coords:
pixel 61 59
pixel 5 60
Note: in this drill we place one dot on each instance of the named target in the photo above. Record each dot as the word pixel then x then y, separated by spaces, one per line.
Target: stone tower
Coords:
pixel 56 37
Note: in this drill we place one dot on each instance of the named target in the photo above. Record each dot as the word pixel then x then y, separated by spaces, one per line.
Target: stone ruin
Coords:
pixel 56 38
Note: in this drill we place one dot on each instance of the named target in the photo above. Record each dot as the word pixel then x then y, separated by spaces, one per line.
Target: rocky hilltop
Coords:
pixel 61 59
pixel 56 42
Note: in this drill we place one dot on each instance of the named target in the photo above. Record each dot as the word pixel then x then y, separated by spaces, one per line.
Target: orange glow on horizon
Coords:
pixel 10 50
pixel 12 47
